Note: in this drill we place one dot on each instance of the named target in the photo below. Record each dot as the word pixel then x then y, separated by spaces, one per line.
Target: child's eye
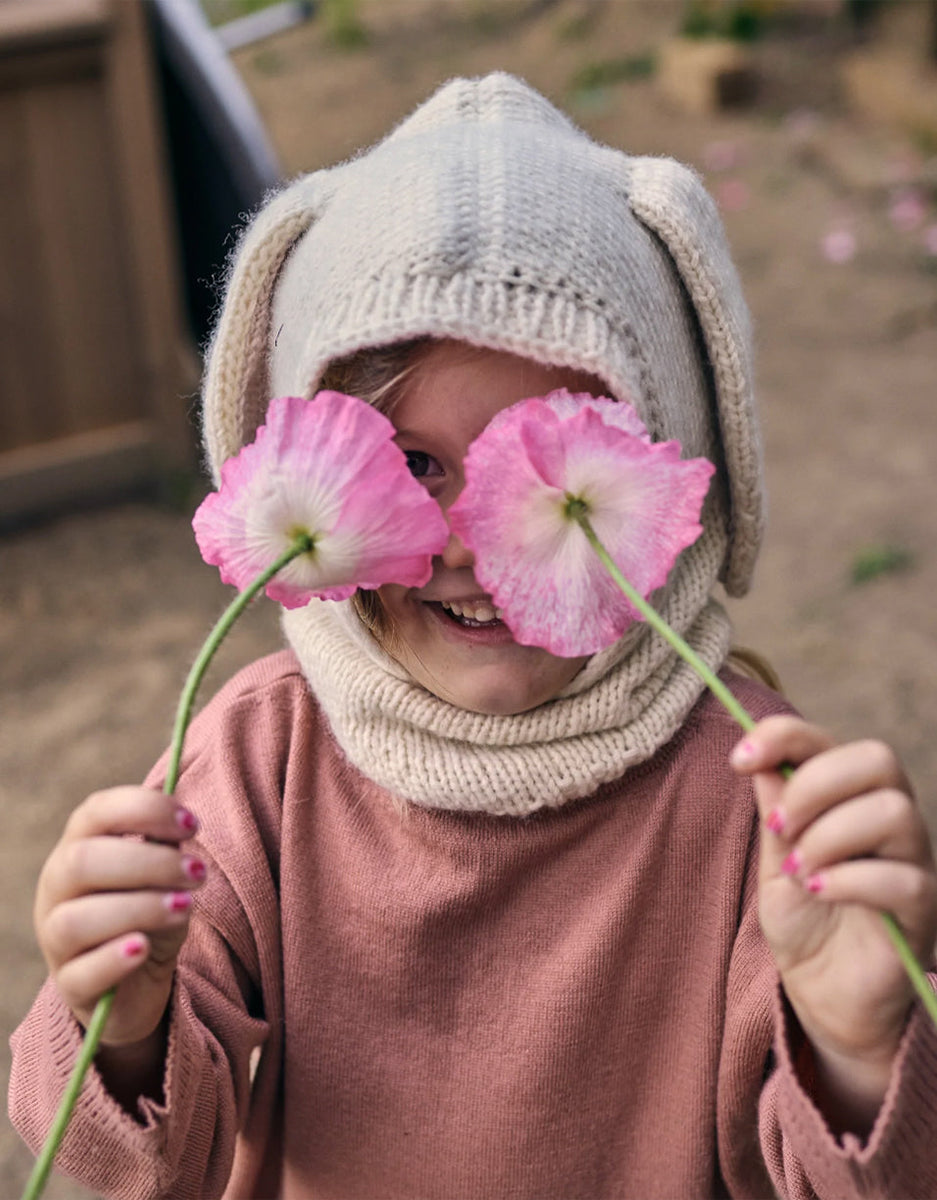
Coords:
pixel 422 465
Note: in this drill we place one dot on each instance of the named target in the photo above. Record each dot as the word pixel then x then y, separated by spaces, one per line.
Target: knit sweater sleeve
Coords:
pixel 767 1119
pixel 180 1147
pixel 221 1072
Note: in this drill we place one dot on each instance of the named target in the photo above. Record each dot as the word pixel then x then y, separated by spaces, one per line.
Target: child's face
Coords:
pixel 470 660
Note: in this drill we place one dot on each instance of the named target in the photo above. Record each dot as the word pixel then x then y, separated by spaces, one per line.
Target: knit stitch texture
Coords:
pixel 375 1005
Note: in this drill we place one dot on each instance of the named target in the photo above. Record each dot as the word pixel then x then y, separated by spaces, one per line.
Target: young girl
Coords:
pixel 436 916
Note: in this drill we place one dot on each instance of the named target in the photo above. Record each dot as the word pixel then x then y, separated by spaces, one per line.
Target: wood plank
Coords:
pixel 85 259
pixel 28 356
pixel 33 24
pixel 32 69
pixel 142 167
pixel 92 333
pixel 88 466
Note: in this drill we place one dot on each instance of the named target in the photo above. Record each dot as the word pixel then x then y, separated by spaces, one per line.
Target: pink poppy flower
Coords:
pixel 721 156
pixel 523 472
pixel 327 468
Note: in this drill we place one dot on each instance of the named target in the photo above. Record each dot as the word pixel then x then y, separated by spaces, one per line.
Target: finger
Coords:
pixel 77 926
pixel 83 981
pixel 884 824
pixel 131 810
pixel 769 752
pixel 825 773
pixel 906 891
pixel 834 776
pixel 779 740
pixel 108 864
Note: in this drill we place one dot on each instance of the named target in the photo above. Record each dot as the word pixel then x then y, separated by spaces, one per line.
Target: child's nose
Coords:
pixel 457 554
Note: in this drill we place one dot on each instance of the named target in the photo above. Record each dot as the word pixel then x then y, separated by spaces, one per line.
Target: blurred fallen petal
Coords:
pixel 839 245
pixel 721 156
pixel 733 195
pixel 802 125
pixel 907 210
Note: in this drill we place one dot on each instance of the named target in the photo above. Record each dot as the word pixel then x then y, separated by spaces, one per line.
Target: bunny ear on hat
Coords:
pixel 235 390
pixel 670 200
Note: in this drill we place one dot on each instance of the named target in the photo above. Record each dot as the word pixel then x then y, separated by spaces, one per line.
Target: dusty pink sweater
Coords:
pixel 577 1005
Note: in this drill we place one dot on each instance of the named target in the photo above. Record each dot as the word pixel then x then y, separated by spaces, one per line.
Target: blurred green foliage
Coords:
pixel 341 19
pixel 875 561
pixel 219 12
pixel 613 70
pixel 738 20
pixel 343 24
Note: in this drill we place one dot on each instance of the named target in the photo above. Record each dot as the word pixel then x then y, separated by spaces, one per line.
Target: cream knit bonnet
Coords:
pixel 487 216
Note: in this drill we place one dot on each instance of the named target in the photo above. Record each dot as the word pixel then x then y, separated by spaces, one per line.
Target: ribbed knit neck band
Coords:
pixel 438 756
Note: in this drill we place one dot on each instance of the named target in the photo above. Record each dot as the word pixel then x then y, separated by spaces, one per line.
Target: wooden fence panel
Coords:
pixel 95 359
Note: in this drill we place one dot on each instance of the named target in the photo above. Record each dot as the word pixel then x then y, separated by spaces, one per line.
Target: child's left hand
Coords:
pixel 842 841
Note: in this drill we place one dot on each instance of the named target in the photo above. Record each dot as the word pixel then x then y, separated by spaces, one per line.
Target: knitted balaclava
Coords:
pixel 488 217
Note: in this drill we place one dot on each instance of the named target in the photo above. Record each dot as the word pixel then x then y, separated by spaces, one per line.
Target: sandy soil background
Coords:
pixel 101 611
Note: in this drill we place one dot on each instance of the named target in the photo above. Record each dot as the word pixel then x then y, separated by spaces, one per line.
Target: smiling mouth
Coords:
pixel 478 615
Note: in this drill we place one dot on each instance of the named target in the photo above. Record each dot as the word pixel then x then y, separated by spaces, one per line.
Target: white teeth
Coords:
pixel 480 611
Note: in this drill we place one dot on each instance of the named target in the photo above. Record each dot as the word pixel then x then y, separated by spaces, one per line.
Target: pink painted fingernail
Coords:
pixel 792 863
pixel 186 821
pixel 178 901
pixel 744 753
pixel 815 883
pixel 133 947
pixel 775 821
pixel 194 868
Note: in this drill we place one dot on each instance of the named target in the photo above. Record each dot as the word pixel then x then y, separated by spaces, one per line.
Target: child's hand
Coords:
pixel 842 841
pixel 113 910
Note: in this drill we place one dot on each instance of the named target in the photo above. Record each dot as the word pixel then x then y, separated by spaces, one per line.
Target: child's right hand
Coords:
pixel 112 910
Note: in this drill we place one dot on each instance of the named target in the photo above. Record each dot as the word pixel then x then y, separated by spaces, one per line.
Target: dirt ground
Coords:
pixel 101 611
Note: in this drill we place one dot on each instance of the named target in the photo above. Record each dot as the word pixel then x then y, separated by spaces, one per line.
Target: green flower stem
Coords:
pixel 657 622
pixel 302 545
pixel 43 1166
pixel 40 1174
pixel 911 965
pixel 721 692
